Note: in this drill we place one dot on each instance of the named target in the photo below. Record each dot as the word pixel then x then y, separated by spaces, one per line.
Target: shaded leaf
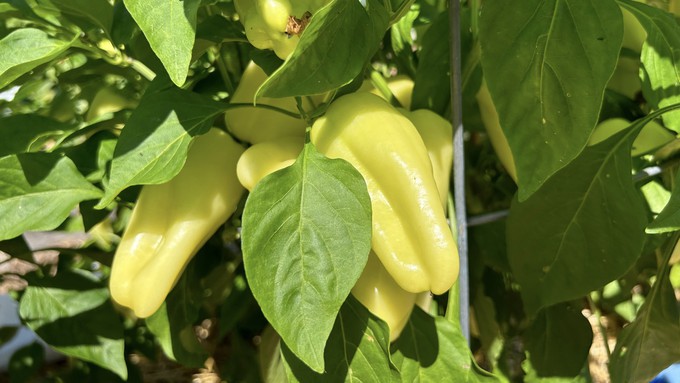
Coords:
pixel 433 81
pixel 582 229
pixel 170 27
pixel 558 341
pixel 153 145
pixel 29 132
pixel 306 238
pixel 357 351
pixel 547 64
pixel 38 191
pixel 73 314
pixel 26 48
pixel 334 48
pixel 660 59
pixel 98 13
pixel 434 349
pixel 652 341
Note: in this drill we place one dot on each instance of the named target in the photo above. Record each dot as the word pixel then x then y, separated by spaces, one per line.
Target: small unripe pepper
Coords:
pixel 410 234
pixel 276 24
pixel 171 221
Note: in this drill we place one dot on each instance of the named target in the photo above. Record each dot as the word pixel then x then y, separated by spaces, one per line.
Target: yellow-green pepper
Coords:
pixel 410 233
pixel 492 124
pixel 252 124
pixel 652 136
pixel 265 158
pixel 171 221
pixel 276 24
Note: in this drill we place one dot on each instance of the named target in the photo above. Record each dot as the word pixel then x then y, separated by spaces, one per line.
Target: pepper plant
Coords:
pixel 267 191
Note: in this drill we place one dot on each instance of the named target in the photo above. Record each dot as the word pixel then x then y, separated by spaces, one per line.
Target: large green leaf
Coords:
pixel 651 342
pixel 334 48
pixel 582 229
pixel 358 350
pixel 28 132
pixel 73 314
pixel 434 350
pixel 547 63
pixel 38 191
pixel 170 27
pixel 26 48
pixel 558 341
pixel 153 145
pixel 306 238
pixel 660 58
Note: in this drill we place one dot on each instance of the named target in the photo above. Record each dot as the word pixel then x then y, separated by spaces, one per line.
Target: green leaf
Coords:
pixel 434 350
pixel 532 377
pixel 357 351
pixel 218 29
pixel 558 341
pixel 26 48
pixel 651 342
pixel 582 229
pixel 173 323
pixel 38 191
pixel 660 58
pixel 29 132
pixel 669 218
pixel 170 27
pixel 547 64
pixel 153 145
pixel 433 82
pixel 98 13
pixel 306 238
pixel 73 314
pixel 92 156
pixel 334 48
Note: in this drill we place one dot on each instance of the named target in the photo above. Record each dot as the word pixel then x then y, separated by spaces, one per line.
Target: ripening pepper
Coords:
pixel 652 136
pixel 492 124
pixel 410 234
pixel 265 158
pixel 436 132
pixel 276 24
pixel 253 124
pixel 171 221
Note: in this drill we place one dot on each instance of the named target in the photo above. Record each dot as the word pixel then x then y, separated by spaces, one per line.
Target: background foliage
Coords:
pixel 583 239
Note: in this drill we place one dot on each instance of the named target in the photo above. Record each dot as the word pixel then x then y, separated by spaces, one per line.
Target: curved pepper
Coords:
pixel 384 298
pixel 410 233
pixel 493 128
pixel 652 136
pixel 253 124
pixel 276 24
pixel 171 221
pixel 265 158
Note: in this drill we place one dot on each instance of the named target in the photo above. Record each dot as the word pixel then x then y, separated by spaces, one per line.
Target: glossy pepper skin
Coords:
pixel 264 158
pixel 254 125
pixel 276 24
pixel 171 221
pixel 410 233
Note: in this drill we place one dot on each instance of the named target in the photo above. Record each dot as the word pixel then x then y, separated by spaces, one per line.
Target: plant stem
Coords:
pixel 603 331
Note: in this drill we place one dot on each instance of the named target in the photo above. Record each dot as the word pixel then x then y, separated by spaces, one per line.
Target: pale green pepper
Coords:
pixel 171 221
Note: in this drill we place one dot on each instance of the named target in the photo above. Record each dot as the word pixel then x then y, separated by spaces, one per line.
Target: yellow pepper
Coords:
pixel 652 136
pixel 171 221
pixel 492 124
pixel 276 24
pixel 253 124
pixel 410 234
pixel 265 158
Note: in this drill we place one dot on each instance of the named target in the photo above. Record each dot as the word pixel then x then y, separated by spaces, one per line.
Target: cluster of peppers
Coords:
pixel 404 157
